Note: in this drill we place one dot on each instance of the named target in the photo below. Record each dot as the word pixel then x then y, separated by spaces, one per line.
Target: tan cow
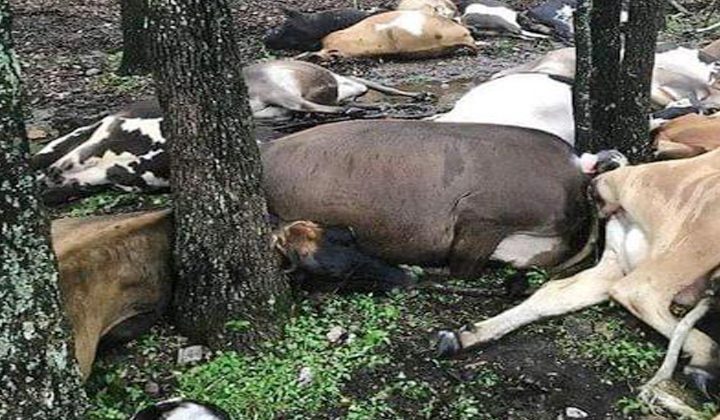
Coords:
pixel 661 248
pixel 443 8
pixel 687 136
pixel 115 276
pixel 409 34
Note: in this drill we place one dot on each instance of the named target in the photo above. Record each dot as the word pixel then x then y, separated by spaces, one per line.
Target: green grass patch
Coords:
pixel 266 385
pixel 110 81
pixel 110 201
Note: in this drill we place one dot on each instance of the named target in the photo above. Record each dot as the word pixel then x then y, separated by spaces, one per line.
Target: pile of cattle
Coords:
pixel 495 179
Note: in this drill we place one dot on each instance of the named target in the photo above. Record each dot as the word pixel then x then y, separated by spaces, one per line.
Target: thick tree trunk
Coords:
pixel 136 38
pixel 39 378
pixel 226 270
pixel 632 134
pixel 582 109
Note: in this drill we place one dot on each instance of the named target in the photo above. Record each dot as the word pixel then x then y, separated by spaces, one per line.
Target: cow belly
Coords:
pixel 524 250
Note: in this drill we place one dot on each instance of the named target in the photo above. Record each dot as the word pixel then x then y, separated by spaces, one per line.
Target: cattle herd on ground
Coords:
pixel 494 179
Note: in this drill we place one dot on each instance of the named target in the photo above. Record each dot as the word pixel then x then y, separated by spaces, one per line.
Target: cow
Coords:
pixel 651 260
pixel 115 276
pixel 555 14
pixel 304 31
pixel 679 72
pixel 494 17
pixel 181 409
pixel 422 193
pixel 532 100
pixel 442 8
pixel 127 150
pixel 687 136
pixel 406 34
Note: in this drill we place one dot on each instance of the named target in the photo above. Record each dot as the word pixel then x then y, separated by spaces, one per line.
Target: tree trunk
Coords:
pixel 225 267
pixel 583 70
pixel 136 59
pixel 612 93
pixel 632 131
pixel 598 41
pixel 39 377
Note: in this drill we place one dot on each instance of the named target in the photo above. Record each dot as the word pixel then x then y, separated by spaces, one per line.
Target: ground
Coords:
pixel 591 361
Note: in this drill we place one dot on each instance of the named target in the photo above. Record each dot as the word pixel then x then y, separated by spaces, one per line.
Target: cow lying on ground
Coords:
pixel 115 276
pixel 679 72
pixel 554 14
pixel 652 259
pixel 406 34
pixel 494 17
pixel 278 88
pixel 417 192
pixel 181 409
pixel 549 108
pixel 442 8
pixel 687 136
pixel 304 31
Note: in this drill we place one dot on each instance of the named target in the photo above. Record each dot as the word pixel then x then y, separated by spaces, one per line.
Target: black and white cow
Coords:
pixel 493 17
pixel 555 14
pixel 181 409
pixel 125 150
pixel 304 31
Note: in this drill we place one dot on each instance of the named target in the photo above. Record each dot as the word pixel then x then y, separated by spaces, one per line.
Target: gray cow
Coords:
pixel 434 194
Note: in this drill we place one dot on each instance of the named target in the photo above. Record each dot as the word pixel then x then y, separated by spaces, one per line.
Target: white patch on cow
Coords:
pixel 504 13
pixel 72 159
pixel 154 181
pixel 522 100
pixel 680 73
pixel 409 21
pixel 565 14
pixel 149 127
pixel 628 241
pixel 348 89
pixel 50 147
pixel 187 411
pixel 521 249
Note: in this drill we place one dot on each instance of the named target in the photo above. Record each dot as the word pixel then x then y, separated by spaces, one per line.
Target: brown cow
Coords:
pixel 687 136
pixel 652 259
pixel 115 276
pixel 418 192
pixel 409 34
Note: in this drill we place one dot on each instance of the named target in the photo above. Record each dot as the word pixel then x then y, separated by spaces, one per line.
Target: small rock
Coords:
pixel 190 354
pixel 35 133
pixel 92 72
pixel 305 377
pixel 336 334
pixel 575 413
pixel 152 388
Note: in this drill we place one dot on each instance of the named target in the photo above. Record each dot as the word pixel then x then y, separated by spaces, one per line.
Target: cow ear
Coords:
pixel 303 230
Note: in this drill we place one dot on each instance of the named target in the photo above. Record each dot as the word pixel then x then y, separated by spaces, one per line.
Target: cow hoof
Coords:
pixel 448 344
pixel 701 378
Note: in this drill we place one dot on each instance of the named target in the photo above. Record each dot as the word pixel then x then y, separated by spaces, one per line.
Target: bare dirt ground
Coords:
pixel 590 361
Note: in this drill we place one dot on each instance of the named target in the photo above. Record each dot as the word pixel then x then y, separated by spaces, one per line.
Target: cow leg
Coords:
pixel 473 243
pixel 557 297
pixel 648 293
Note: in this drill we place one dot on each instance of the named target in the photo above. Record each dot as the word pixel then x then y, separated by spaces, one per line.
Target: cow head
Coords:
pixel 296 33
pixel 330 256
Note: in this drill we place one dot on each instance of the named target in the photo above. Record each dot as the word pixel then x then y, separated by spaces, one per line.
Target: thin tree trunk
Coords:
pixel 226 270
pixel 632 131
pixel 583 73
pixel 39 378
pixel 136 39
pixel 598 41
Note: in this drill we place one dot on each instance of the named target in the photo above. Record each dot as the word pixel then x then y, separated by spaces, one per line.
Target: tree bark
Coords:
pixel 632 131
pixel 136 59
pixel 598 41
pixel 225 267
pixel 39 377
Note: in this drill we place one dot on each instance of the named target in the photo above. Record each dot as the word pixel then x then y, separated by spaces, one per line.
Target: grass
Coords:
pixel 112 201
pixel 110 82
pixel 266 385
